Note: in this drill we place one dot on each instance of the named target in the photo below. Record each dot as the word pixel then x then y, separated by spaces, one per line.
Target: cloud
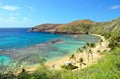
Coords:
pixel 17 14
pixel 25 19
pixel 32 9
pixel 0 3
pixel 1 19
pixel 9 7
pixel 115 7
pixel 12 18
pixel 14 14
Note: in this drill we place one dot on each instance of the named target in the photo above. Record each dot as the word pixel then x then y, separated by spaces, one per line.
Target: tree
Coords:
pixel 87 44
pixel 84 47
pixel 114 42
pixel 92 45
pixel 79 50
pixel 98 51
pixel 72 57
pixel 90 52
pixel 100 41
pixel 81 62
pixel 107 35
pixel 69 67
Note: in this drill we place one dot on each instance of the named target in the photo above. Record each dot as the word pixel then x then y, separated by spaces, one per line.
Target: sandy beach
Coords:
pixel 56 64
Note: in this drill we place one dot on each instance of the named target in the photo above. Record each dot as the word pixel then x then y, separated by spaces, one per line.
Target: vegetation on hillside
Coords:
pixel 106 27
pixel 81 27
pixel 108 67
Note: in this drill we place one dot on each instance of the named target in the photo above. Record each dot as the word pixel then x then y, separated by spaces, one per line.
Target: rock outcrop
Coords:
pixel 45 28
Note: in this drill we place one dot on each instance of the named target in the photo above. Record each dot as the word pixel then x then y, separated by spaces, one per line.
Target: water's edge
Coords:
pixel 59 46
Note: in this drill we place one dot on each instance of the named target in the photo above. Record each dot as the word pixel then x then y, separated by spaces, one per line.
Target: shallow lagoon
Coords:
pixel 18 44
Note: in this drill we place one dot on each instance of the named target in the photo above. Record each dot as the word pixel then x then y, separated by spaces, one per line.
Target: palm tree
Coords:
pixel 98 51
pixel 91 53
pixel 81 62
pixel 79 50
pixel 72 57
pixel 92 45
pixel 87 44
pixel 84 47
pixel 100 41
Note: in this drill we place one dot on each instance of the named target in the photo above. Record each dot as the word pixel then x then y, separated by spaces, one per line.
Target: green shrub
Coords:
pixel 69 67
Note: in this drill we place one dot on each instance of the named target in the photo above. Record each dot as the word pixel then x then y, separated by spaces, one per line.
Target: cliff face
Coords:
pixel 80 27
pixel 75 27
pixel 45 28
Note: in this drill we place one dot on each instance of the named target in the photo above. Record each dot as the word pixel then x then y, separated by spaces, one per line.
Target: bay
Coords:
pixel 18 44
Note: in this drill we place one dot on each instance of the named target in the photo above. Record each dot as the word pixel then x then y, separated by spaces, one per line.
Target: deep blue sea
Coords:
pixel 20 38
pixel 18 43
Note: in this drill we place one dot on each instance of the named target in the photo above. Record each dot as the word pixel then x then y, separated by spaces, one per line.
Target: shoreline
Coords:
pixel 62 60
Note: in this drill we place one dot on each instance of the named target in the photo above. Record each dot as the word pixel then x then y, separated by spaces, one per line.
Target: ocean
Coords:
pixel 20 45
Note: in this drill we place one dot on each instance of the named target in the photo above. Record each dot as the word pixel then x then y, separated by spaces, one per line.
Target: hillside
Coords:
pixel 80 27
pixel 45 28
pixel 107 67
pixel 106 27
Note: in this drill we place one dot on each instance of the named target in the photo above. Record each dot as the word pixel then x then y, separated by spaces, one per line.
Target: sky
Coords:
pixel 29 13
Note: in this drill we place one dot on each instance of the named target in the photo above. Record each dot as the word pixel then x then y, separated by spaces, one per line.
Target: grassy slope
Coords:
pixel 85 26
pixel 106 68
pixel 111 26
pixel 81 26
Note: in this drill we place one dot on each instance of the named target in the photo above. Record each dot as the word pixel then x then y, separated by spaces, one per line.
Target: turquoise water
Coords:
pixel 4 60
pixel 19 45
